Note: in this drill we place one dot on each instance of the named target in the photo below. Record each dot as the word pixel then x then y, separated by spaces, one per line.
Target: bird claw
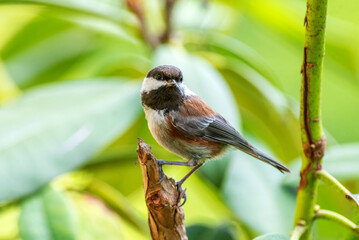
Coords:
pixel 182 193
pixel 161 179
pixel 161 162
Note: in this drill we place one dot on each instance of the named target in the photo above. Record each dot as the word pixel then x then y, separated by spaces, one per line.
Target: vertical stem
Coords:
pixel 136 6
pixel 168 21
pixel 313 139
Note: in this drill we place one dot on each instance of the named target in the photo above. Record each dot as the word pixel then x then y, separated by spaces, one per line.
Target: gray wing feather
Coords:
pixel 221 131
pixel 214 128
pixel 217 129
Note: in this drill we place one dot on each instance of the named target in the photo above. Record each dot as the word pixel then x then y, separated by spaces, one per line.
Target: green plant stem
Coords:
pixel 336 185
pixel 297 232
pixel 336 217
pixel 313 139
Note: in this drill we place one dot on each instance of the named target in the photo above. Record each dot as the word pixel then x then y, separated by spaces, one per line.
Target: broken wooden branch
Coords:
pixel 165 214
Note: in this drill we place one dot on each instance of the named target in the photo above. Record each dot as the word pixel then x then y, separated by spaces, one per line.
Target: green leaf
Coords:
pixel 9 217
pixel 117 202
pixel 87 57
pixel 47 215
pixel 35 31
pixel 341 161
pixel 97 221
pixel 98 25
pixel 116 58
pixel 253 190
pixel 33 44
pixel 272 236
pixel 202 232
pixel 59 127
pixel 231 47
pixel 111 9
pixel 192 15
pixel 62 48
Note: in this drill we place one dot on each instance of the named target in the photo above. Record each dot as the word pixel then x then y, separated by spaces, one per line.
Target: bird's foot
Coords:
pixel 182 193
pixel 161 162
pixel 162 177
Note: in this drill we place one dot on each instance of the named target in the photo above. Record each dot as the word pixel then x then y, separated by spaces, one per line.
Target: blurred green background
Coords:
pixel 70 115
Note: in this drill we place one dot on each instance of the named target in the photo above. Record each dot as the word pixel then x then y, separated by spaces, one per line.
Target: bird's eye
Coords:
pixel 181 79
pixel 159 76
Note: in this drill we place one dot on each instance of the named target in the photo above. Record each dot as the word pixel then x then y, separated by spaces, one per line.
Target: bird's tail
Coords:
pixel 263 157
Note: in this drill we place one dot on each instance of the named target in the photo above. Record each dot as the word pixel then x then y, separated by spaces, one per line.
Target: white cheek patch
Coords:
pixel 150 84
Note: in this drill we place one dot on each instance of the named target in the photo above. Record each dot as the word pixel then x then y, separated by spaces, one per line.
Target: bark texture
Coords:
pixel 165 215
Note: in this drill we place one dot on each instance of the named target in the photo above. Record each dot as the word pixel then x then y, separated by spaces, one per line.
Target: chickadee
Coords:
pixel 184 124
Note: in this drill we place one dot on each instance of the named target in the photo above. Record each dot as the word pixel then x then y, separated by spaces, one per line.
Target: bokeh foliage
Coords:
pixel 70 73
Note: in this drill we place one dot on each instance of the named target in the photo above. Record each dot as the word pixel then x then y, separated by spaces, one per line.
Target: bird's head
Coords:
pixel 164 76
pixel 163 88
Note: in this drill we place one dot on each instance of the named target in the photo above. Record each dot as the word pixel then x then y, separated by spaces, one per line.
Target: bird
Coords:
pixel 184 124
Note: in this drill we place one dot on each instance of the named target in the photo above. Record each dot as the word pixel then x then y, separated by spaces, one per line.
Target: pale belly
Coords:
pixel 158 125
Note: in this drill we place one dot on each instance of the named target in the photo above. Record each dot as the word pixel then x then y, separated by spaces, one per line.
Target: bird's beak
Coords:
pixel 171 83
